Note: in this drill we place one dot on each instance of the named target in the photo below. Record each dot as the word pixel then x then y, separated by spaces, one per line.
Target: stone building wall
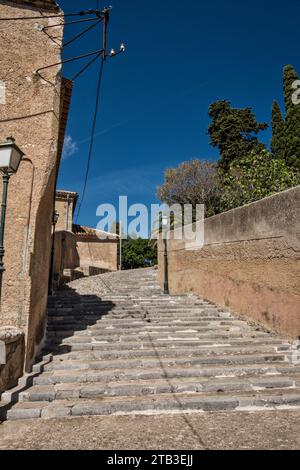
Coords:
pixel 65 203
pixel 250 262
pixel 12 348
pixel 76 256
pixel 98 253
pixel 65 255
pixel 31 114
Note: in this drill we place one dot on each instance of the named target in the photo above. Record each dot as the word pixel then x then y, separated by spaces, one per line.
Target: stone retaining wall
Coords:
pixel 250 262
pixel 12 349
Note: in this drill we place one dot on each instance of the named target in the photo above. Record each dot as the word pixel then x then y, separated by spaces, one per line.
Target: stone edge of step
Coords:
pixel 11 397
pixel 169 405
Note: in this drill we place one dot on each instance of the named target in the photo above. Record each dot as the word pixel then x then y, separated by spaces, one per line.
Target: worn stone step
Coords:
pixel 73 321
pixel 158 311
pixel 138 314
pixel 147 363
pixel 163 352
pixel 86 336
pixel 155 403
pixel 98 331
pixel 141 317
pixel 59 348
pixel 136 350
pixel 91 345
pixel 200 385
pixel 73 376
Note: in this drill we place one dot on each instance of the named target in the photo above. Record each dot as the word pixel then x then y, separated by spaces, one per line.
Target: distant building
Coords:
pixel 80 250
pixel 65 204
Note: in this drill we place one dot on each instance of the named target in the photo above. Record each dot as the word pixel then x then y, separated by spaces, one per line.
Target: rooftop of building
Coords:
pixel 88 232
pixel 62 193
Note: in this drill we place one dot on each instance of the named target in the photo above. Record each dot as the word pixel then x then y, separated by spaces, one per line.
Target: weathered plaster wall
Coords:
pixel 65 252
pixel 88 256
pixel 11 365
pixel 98 253
pixel 250 262
pixel 65 211
pixel 31 115
pixel 64 205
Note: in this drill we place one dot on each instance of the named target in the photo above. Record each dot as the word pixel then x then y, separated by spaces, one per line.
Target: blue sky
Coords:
pixel 180 57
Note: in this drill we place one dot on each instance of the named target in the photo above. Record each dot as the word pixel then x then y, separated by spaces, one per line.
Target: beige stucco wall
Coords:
pixel 11 365
pixel 83 254
pixel 65 252
pixel 98 253
pixel 31 115
pixel 250 262
pixel 65 211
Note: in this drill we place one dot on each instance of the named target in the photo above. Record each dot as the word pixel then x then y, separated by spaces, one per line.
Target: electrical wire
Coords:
pixel 66 61
pixel 68 23
pixel 85 67
pixel 82 33
pixel 93 135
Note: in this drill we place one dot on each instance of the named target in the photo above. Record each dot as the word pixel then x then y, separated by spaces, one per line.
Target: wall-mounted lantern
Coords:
pixel 10 158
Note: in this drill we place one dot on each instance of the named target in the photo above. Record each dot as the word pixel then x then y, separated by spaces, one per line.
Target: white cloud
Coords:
pixel 70 147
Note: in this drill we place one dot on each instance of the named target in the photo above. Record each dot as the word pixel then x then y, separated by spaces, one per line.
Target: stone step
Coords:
pixel 135 310
pixel 163 352
pixel 98 331
pixel 74 320
pixel 144 322
pixel 133 316
pixel 108 299
pixel 58 348
pixel 200 385
pixel 88 375
pixel 125 325
pixel 136 350
pixel 147 363
pixel 91 342
pixel 158 403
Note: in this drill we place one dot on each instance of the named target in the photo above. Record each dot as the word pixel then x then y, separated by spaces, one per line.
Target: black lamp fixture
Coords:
pixel 10 158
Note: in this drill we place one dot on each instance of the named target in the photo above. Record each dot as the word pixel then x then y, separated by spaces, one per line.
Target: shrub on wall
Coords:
pixel 254 177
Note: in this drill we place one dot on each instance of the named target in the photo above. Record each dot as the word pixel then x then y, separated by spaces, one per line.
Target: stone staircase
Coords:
pixel 136 350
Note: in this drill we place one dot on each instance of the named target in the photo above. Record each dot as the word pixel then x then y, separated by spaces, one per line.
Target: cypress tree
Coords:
pixel 278 142
pixel 233 131
pixel 292 119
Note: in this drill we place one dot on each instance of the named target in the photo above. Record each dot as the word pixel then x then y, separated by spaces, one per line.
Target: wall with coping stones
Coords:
pixel 31 114
pixel 250 262
pixel 97 253
pixel 87 255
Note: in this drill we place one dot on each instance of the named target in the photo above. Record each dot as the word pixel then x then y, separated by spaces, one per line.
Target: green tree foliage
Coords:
pixel 233 131
pixel 138 254
pixel 192 182
pixel 254 177
pixel 292 156
pixel 278 142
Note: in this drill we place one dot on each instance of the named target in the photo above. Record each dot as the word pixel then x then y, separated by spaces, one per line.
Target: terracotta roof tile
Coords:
pixel 83 231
